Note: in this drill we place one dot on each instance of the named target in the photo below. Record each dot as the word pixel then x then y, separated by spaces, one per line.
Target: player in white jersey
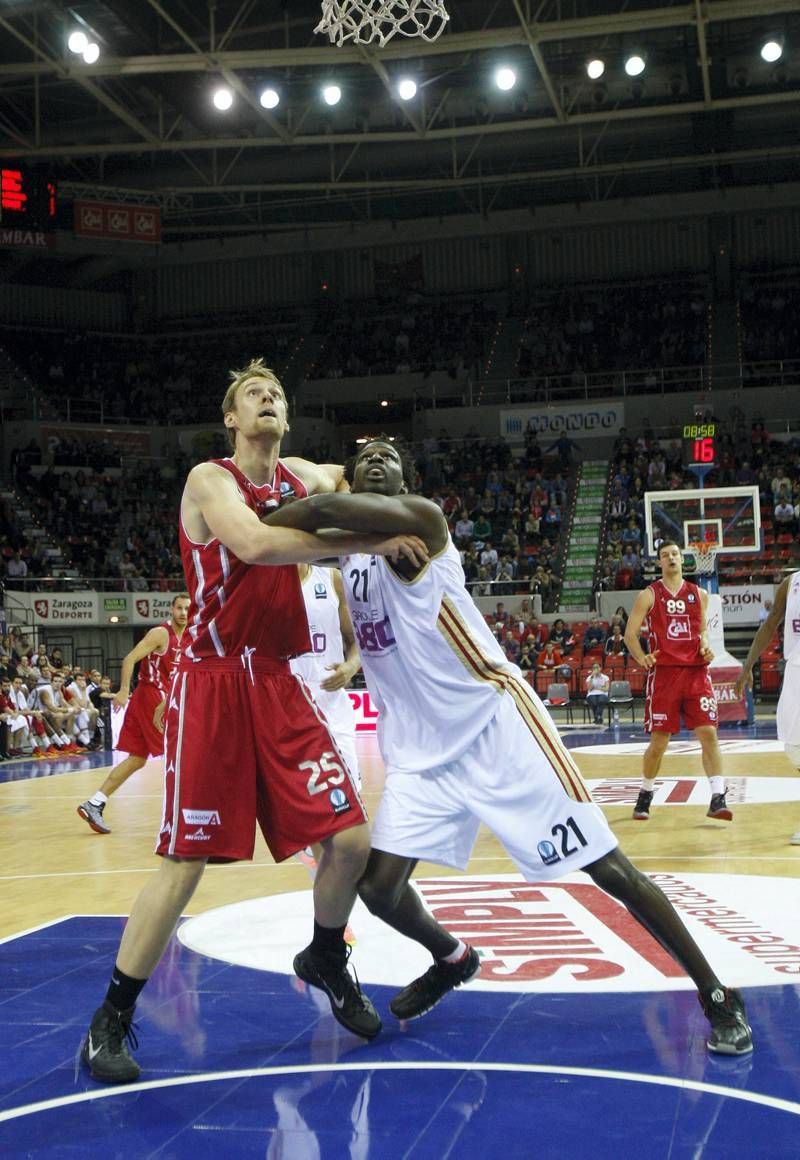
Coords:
pixel 465 740
pixel 785 609
pixel 327 671
pixel 334 661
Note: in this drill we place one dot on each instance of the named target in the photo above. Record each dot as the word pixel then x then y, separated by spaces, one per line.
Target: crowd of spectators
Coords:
pixel 506 514
pixel 614 328
pixel 419 335
pixel 146 379
pixel 49 708
pixel 746 456
pixel 563 653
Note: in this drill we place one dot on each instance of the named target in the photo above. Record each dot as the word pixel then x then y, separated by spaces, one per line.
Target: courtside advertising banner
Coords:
pixel 742 604
pixel 46 608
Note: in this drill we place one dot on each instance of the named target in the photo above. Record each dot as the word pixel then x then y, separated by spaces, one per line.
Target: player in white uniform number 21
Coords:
pixel 465 740
pixel 786 609
pixel 326 671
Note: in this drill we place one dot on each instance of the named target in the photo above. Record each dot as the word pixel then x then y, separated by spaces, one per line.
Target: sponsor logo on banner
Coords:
pixel 130 223
pixel 155 606
pixel 61 607
pixel 201 817
pixel 26 239
pixel 576 421
pixel 556 937
pixel 742 604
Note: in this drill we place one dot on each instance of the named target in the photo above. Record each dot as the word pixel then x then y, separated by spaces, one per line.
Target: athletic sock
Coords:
pixel 717 785
pixel 328 940
pixel 123 991
pixel 648 784
pixel 457 955
pixel 98 799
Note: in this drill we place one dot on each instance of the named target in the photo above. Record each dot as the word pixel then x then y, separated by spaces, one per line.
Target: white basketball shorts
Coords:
pixel 518 779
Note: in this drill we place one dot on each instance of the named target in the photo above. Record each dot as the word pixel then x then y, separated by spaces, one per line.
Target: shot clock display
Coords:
pixel 700 443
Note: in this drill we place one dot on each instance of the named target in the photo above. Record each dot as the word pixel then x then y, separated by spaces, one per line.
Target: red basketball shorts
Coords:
pixel 674 692
pixel 246 745
pixel 138 734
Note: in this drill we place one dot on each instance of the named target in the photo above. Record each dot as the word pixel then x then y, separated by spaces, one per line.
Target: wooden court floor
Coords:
pixel 52 865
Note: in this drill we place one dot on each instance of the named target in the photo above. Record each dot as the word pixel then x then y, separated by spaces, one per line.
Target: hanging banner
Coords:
pixel 577 420
pixel 127 223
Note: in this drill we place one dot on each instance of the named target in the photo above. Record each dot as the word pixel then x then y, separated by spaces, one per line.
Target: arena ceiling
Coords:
pixel 138 125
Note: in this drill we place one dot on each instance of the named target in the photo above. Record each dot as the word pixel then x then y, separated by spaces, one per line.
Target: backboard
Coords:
pixel 726 518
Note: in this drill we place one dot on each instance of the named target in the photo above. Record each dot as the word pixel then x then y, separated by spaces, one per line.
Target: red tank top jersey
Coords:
pixel 156 669
pixel 236 607
pixel 673 624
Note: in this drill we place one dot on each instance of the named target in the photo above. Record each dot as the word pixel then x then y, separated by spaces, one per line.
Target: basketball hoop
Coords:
pixel 705 557
pixel 365 21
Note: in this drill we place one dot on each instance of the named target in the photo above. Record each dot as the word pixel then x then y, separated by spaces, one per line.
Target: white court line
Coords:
pixel 41 926
pixel 514 1068
pixel 290 864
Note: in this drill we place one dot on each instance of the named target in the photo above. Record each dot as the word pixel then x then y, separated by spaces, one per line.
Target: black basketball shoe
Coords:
pixel 641 811
pixel 104 1049
pixel 730 1031
pixel 719 808
pixel 349 1005
pixel 426 991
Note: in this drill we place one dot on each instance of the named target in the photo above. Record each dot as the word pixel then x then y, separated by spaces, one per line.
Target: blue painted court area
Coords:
pixel 248 1063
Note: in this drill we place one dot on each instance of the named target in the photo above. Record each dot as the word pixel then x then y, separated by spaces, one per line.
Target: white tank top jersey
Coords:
pixel 433 669
pixel 791 620
pixel 322 610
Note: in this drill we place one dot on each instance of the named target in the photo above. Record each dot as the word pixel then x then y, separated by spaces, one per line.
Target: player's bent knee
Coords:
pixel 180 874
pixel 616 874
pixel 349 848
pixel 379 894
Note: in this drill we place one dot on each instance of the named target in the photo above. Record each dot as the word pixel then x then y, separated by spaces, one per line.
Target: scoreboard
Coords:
pixel 27 199
pixel 700 443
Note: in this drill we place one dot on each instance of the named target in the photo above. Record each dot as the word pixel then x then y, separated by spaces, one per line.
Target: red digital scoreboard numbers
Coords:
pixel 700 442
pixel 27 198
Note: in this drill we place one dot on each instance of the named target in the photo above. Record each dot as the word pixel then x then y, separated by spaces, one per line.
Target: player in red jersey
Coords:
pixel 678 682
pixel 156 654
pixel 244 742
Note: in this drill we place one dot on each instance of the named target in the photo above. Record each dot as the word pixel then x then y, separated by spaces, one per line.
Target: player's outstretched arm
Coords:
pixel 213 508
pixel 764 635
pixel 367 512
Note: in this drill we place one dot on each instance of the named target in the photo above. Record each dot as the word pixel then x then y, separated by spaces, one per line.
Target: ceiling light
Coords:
pixel 406 89
pixel 595 68
pixel 223 99
pixel 771 50
pixel 505 78
pixel 270 99
pixel 634 65
pixel 331 94
pixel 77 41
pixel 91 53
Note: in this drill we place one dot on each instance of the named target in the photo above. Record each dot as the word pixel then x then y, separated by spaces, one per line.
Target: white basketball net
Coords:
pixel 705 557
pixel 364 21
